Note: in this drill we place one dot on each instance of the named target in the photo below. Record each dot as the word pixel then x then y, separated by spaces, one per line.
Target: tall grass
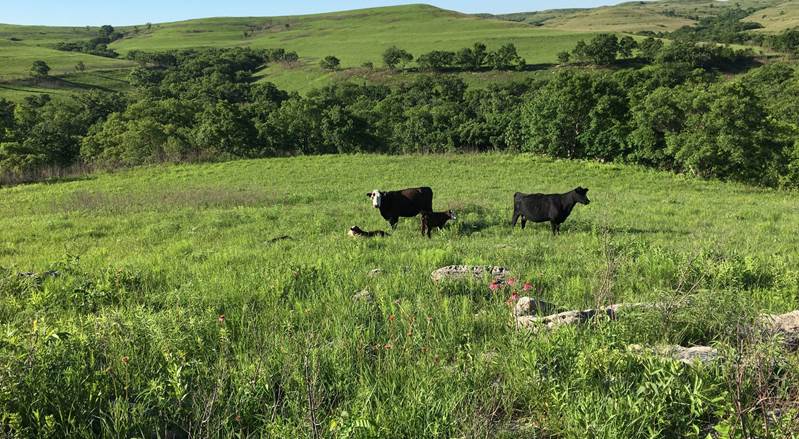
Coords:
pixel 162 306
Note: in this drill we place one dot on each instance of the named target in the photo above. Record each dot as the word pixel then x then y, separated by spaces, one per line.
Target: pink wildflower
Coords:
pixel 511 281
pixel 527 286
pixel 512 299
pixel 493 286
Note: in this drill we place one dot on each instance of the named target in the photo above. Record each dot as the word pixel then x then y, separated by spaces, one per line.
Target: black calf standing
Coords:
pixel 435 219
pixel 554 208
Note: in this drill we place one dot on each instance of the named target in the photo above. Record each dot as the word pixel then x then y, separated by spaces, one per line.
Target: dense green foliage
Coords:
pixel 677 114
pixel 175 312
pixel 39 69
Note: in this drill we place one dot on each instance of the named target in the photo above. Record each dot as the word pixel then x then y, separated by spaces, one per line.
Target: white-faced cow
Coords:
pixel 438 220
pixel 554 208
pixel 403 203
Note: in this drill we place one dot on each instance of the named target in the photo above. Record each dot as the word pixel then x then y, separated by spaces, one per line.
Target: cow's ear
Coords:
pixel 369 194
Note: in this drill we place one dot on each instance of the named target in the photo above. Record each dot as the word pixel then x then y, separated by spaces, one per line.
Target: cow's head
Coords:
pixel 451 214
pixel 581 195
pixel 376 196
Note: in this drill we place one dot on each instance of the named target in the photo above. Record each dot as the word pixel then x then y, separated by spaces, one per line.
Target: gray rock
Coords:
pixel 566 318
pixel 527 306
pixel 470 272
pixel 687 355
pixel 787 325
pixel 362 296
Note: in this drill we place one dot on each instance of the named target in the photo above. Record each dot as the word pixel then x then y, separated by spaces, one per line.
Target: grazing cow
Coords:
pixel 435 219
pixel 402 203
pixel 356 231
pixel 554 208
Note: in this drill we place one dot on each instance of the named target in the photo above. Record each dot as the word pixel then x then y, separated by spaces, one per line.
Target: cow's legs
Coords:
pixel 393 222
pixel 514 219
pixel 554 227
pixel 524 221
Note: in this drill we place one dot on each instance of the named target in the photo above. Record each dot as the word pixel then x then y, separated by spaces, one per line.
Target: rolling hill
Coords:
pixel 637 16
pixel 356 37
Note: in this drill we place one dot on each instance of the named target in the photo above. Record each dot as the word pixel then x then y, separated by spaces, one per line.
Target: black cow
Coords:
pixel 403 203
pixel 554 208
pixel 435 219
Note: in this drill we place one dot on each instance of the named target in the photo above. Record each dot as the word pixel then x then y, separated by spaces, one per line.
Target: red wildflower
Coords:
pixel 512 299
pixel 511 281
pixel 493 286
pixel 527 286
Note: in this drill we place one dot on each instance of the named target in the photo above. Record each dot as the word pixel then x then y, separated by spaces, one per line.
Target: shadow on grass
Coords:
pixel 473 218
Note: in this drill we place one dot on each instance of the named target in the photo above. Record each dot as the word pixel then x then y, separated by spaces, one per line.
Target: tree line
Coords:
pixel 96 46
pixel 206 105
pixel 474 58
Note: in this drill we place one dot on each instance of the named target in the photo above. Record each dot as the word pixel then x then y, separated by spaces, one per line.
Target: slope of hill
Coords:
pixel 655 16
pixel 16 58
pixel 777 18
pixel 356 36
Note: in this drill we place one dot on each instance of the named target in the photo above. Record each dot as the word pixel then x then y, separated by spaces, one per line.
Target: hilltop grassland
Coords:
pixel 16 58
pixel 777 18
pixel 174 310
pixel 357 36
pixel 637 16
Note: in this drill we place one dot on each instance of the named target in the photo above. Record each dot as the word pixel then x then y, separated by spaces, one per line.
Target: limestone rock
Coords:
pixel 687 355
pixel 786 325
pixel 362 296
pixel 528 306
pixel 470 272
pixel 566 318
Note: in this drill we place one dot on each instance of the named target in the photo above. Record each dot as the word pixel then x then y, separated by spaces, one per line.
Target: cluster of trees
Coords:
pixel 728 28
pixel 602 49
pixel 787 41
pixel 725 27
pixel 205 105
pixel 95 46
pixel 473 58
pixel 605 49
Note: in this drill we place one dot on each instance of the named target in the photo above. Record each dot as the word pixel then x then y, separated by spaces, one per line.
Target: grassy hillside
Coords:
pixel 176 310
pixel 356 36
pixel 655 16
pixel 360 36
pixel 782 16
pixel 16 58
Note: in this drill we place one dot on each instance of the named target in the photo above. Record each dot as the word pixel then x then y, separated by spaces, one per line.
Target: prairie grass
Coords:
pixel 175 312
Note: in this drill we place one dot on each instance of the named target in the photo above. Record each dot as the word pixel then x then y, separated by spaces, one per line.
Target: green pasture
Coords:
pixel 218 300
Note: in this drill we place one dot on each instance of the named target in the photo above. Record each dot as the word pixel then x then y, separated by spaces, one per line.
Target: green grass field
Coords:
pixel 176 312
pixel 360 36
pixel 636 16
pixel 777 18
pixel 355 37
pixel 16 58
